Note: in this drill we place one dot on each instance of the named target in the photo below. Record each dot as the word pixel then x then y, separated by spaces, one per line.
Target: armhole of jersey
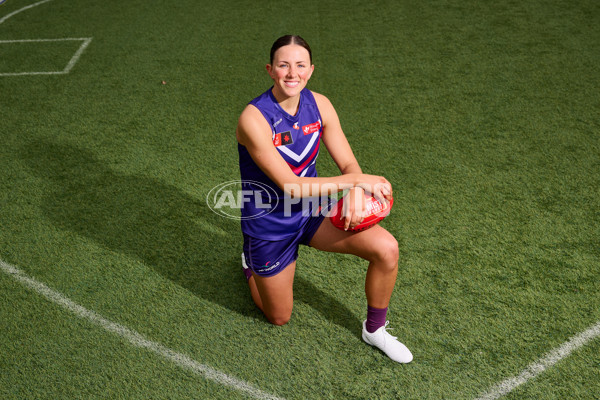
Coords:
pixel 314 100
pixel 266 117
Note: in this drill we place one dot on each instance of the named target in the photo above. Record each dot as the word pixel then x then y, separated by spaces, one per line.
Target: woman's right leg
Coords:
pixel 274 295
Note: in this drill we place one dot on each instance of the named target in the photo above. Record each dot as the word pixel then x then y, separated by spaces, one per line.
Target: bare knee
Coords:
pixel 387 254
pixel 276 295
pixel 280 314
pixel 280 319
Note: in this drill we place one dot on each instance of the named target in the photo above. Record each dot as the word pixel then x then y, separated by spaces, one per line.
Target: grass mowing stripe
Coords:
pixel 543 364
pixel 135 338
pixel 22 9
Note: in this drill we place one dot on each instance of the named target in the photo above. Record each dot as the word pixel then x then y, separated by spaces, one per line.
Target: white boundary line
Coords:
pixel 22 9
pixel 66 70
pixel 135 338
pixel 536 368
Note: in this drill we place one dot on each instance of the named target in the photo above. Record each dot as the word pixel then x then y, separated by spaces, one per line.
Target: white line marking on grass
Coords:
pixel 22 9
pixel 536 368
pixel 70 64
pixel 75 58
pixel 135 338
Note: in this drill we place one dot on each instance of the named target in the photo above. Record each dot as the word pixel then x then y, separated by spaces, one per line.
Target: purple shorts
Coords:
pixel 270 257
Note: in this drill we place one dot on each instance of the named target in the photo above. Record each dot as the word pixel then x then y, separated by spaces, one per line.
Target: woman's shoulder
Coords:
pixel 318 96
pixel 250 116
pixel 250 123
pixel 323 102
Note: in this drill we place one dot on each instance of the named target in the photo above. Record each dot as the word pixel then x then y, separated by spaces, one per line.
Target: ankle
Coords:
pixel 376 318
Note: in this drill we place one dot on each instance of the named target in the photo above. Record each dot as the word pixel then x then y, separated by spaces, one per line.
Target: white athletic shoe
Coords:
pixel 387 343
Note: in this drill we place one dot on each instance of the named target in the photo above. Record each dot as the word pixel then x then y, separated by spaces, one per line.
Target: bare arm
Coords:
pixel 334 138
pixel 254 133
pixel 337 144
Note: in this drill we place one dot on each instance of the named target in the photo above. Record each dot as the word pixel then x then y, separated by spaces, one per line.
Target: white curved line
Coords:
pixel 134 337
pixel 544 363
pixel 22 9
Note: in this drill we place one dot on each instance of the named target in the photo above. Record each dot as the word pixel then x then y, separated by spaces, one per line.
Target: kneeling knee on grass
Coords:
pixel 279 320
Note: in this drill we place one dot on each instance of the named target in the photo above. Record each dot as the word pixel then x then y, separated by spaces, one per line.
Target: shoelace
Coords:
pixel 385 329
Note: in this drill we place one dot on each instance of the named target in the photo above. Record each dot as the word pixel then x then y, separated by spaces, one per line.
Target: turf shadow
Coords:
pixel 329 307
pixel 171 231
pixel 167 229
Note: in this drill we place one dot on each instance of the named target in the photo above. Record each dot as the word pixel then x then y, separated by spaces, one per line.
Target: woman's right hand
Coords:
pixel 378 186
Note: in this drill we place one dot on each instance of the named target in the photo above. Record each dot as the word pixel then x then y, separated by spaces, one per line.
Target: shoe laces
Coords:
pixel 385 329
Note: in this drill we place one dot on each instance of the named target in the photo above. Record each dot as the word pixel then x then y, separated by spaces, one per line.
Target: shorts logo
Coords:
pixel 266 267
pixel 283 139
pixel 311 128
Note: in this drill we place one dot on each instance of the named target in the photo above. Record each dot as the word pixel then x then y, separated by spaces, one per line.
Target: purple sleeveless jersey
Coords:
pixel 297 139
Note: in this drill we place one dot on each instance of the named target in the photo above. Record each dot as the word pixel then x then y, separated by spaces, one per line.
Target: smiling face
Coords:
pixel 290 70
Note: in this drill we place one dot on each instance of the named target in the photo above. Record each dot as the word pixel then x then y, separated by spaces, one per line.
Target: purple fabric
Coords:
pixel 297 139
pixel 375 318
pixel 248 273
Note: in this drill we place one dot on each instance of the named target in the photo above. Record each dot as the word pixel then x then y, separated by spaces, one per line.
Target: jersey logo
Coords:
pixel 283 139
pixel 311 128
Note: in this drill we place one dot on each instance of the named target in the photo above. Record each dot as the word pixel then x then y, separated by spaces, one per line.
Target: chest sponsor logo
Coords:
pixel 311 128
pixel 283 139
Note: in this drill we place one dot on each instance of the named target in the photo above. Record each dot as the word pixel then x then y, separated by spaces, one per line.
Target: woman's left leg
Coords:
pixel 380 248
pixel 376 245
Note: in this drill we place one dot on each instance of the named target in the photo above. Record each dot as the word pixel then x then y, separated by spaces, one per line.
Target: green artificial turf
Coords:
pixel 483 115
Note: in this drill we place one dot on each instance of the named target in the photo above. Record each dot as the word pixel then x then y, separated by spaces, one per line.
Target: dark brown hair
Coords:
pixel 290 39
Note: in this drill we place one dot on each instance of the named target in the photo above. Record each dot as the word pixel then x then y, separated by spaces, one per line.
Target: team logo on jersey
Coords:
pixel 283 139
pixel 311 128
pixel 296 126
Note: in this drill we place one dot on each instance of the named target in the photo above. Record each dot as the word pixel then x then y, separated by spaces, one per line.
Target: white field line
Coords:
pixel 75 58
pixel 22 9
pixel 541 365
pixel 135 338
pixel 70 64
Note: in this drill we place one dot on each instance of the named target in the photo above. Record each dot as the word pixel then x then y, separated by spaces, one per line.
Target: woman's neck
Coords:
pixel 289 104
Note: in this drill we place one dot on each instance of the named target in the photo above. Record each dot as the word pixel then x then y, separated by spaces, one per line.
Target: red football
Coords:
pixel 376 212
